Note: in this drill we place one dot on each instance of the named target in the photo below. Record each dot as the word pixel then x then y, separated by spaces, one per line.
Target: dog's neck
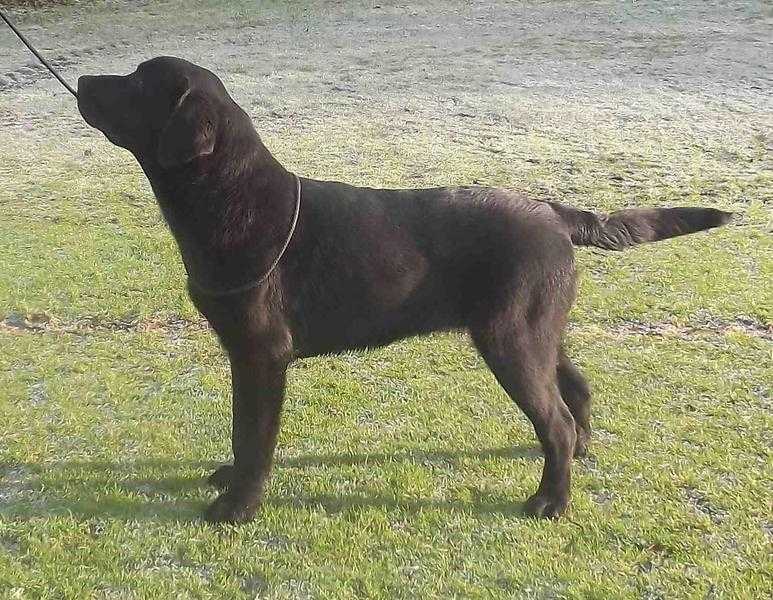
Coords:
pixel 229 212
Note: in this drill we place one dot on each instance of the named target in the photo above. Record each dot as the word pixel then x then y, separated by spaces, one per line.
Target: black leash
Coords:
pixel 37 54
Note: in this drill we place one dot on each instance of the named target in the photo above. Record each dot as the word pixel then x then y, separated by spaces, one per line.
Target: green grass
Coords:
pixel 401 473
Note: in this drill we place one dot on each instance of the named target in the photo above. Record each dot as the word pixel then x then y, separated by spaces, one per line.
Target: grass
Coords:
pixel 401 473
pixel 392 480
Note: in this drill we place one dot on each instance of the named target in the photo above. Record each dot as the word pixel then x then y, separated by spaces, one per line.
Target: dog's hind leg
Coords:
pixel 523 359
pixel 576 395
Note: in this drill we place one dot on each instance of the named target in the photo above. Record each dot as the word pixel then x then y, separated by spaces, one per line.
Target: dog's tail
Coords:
pixel 625 228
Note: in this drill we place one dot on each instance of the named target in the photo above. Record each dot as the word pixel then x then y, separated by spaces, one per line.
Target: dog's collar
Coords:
pixel 253 284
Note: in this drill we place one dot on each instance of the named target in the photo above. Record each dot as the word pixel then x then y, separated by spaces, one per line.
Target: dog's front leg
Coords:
pixel 258 383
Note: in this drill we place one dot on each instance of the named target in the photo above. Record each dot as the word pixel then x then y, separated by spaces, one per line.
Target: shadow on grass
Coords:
pixel 104 489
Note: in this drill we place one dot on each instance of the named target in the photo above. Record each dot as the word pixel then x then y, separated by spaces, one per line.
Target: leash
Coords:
pixel 198 286
pixel 36 53
pixel 253 284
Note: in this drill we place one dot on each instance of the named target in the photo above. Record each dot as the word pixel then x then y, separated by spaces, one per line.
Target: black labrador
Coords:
pixel 285 268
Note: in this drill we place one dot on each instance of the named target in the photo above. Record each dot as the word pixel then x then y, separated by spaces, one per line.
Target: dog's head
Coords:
pixel 168 112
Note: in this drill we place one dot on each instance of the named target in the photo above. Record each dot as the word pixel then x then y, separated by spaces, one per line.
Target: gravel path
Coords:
pixel 478 73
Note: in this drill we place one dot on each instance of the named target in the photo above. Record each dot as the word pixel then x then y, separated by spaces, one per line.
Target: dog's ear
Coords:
pixel 190 131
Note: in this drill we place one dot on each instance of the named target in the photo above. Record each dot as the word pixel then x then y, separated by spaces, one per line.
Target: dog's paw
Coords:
pixel 545 506
pixel 221 478
pixel 230 508
pixel 581 444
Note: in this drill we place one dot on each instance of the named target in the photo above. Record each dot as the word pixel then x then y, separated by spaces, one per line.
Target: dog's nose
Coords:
pixel 87 99
pixel 83 83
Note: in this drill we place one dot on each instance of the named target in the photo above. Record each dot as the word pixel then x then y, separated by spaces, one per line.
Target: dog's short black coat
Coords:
pixel 364 267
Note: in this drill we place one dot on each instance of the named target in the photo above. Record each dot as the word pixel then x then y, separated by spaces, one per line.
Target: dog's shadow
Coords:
pixel 168 490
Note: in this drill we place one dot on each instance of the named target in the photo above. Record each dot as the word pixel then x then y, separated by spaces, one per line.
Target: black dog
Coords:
pixel 363 267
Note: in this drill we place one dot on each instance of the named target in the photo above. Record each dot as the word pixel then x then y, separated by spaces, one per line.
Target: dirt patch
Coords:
pixel 702 505
pixel 255 585
pixel 706 328
pixel 43 323
pixel 10 545
pixel 36 3
pixel 17 483
pixel 177 326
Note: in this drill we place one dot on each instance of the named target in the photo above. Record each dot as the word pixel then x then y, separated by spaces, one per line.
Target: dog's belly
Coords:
pixel 354 324
pixel 358 334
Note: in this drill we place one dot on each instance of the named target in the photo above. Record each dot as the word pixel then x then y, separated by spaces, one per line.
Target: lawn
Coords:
pixel 400 473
